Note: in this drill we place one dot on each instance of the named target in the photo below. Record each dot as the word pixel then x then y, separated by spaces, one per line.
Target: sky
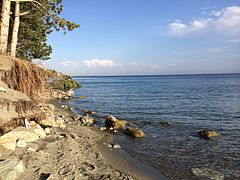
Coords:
pixel 150 37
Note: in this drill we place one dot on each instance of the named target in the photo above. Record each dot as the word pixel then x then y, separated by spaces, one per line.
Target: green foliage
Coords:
pixel 35 27
pixel 64 84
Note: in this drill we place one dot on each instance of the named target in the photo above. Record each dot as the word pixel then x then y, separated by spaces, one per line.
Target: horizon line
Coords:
pixel 185 74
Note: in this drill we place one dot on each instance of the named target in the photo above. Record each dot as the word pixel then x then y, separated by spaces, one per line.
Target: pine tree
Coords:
pixel 37 20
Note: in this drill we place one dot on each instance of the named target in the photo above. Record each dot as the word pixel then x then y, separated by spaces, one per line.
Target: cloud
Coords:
pixel 235 41
pixel 98 63
pixel 215 50
pixel 70 63
pixel 91 63
pixel 225 20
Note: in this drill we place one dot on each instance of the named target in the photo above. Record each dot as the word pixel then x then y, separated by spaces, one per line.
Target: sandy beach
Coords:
pixel 77 152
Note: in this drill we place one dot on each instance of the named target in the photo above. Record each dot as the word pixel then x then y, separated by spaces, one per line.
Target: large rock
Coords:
pixel 48 122
pixel 10 169
pixel 207 173
pixel 8 141
pixel 115 123
pixel 23 134
pixel 28 135
pixel 208 134
pixel 134 132
pixel 39 131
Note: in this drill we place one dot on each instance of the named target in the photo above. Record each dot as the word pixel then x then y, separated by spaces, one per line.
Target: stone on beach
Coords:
pixel 115 123
pixel 77 117
pixel 2 89
pixel 21 143
pixel 19 135
pixel 8 142
pixel 87 120
pixel 134 132
pixel 47 131
pixel 207 173
pixel 10 169
pixel 208 134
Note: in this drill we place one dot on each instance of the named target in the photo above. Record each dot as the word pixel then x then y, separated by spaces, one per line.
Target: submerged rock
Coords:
pixel 115 123
pixel 82 97
pixel 208 134
pixel 10 169
pixel 207 173
pixel 134 132
pixel 89 112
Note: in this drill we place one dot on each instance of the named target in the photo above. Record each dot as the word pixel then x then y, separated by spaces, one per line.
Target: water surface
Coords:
pixel 189 103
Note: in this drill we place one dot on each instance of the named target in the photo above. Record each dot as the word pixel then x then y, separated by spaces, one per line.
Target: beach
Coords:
pixel 76 152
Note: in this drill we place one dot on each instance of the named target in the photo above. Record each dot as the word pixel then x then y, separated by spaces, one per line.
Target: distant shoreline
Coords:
pixel 201 74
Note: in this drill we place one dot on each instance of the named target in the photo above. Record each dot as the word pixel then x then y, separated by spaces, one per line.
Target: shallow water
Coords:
pixel 189 103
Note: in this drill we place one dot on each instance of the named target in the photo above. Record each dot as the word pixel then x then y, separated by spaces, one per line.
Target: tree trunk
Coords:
pixel 15 30
pixel 5 17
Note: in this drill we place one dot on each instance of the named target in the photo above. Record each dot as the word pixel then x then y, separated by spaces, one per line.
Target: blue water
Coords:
pixel 189 103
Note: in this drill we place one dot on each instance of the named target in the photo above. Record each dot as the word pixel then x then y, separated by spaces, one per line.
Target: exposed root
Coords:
pixel 27 78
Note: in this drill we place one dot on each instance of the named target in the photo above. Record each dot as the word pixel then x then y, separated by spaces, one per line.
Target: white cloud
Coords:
pixel 70 63
pixel 214 50
pixel 235 41
pixel 98 63
pixel 91 63
pixel 225 20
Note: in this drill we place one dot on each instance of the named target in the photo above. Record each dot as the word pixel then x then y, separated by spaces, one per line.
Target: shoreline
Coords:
pixel 76 152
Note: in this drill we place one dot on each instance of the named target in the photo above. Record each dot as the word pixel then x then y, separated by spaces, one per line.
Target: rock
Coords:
pixel 10 169
pixel 89 112
pixel 134 132
pixel 27 135
pixel 71 108
pixel 116 146
pixel 51 107
pixel 53 177
pixel 40 132
pixel 208 134
pixel 103 128
pixel 48 122
pixel 60 122
pixel 113 122
pixel 2 89
pixel 77 117
pixel 207 173
pixel 47 131
pixel 64 107
pixel 82 97
pixel 8 141
pixel 70 93
pixel 21 143
pixel 87 120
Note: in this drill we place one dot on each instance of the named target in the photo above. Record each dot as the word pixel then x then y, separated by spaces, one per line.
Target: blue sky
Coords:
pixel 127 37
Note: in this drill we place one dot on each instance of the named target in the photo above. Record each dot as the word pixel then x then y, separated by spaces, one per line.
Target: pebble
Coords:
pixel 103 128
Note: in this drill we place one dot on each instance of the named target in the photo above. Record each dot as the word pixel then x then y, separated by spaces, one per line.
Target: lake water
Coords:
pixel 189 103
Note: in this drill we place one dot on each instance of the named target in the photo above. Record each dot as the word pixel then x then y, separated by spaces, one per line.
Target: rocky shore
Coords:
pixel 43 139
pixel 62 150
